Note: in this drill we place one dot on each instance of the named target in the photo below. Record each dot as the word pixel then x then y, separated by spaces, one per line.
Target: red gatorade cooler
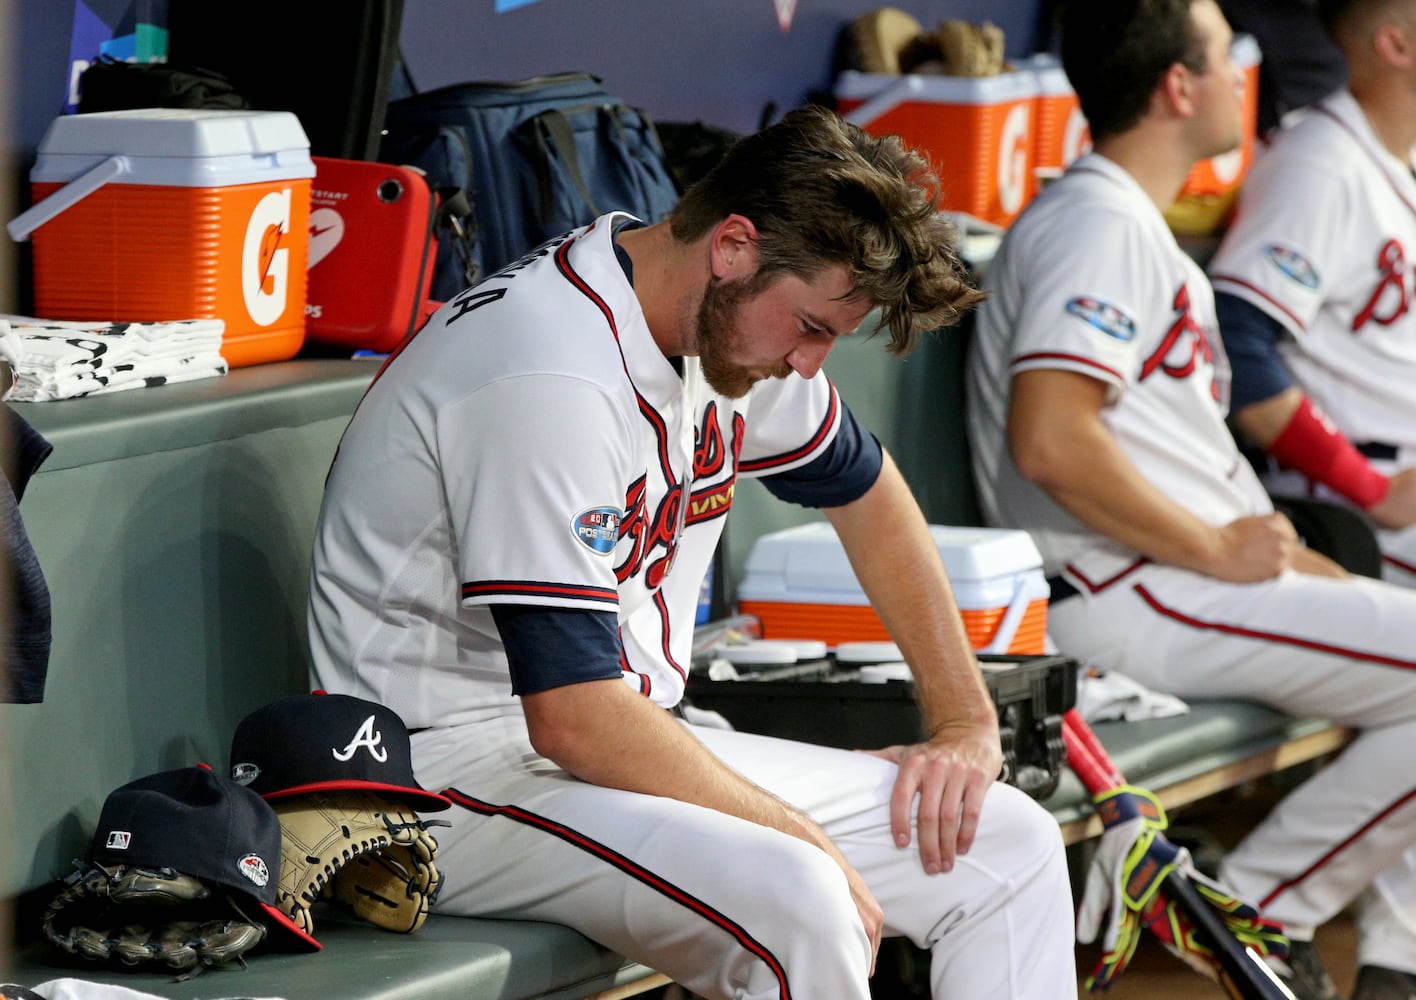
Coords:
pixel 166 214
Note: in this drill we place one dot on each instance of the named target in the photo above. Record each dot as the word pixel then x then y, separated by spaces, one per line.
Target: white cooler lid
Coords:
pixel 186 147
pixel 811 557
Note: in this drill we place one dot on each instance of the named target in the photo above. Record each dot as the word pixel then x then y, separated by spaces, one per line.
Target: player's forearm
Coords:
pixel 1058 441
pixel 895 559
pixel 604 733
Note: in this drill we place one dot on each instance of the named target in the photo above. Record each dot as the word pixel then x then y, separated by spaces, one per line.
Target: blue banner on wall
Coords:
pixel 512 4
pixel 132 30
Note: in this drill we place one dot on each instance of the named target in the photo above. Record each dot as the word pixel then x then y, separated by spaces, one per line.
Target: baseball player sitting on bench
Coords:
pixel 1314 303
pixel 509 555
pixel 1096 387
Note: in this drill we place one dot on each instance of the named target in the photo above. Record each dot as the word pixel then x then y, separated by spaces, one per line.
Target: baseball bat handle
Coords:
pixel 1242 973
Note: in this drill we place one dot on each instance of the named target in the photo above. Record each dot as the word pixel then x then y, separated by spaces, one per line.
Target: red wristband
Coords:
pixel 1313 446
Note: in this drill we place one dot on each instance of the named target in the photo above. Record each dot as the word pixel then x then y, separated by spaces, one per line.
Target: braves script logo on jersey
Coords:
pixel 1392 295
pixel 1183 346
pixel 597 529
pixel 661 533
pixel 367 737
pixel 1293 264
pixel 1109 319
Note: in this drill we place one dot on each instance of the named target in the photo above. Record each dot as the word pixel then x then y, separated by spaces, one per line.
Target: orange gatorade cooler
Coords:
pixel 167 214
pixel 1060 132
pixel 977 131
pixel 799 583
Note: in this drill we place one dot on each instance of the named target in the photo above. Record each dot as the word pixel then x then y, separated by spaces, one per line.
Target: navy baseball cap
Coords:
pixel 322 742
pixel 197 822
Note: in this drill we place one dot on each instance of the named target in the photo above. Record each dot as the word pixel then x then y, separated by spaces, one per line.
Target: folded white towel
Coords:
pixel 65 359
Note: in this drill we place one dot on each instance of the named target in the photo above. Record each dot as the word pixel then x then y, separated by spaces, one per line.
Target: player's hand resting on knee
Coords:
pixel 950 776
pixel 1254 548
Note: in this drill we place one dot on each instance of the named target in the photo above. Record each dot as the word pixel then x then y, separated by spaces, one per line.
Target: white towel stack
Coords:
pixel 64 360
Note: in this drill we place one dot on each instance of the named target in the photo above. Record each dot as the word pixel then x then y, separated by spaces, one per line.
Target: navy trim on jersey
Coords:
pixel 787 457
pixel 845 471
pixel 552 647
pixel 562 260
pixel 1115 375
pixel 629 868
pixel 536 588
pixel 1251 337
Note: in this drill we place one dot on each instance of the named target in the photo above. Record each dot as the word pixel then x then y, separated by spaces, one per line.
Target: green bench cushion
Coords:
pixel 451 958
pixel 1156 753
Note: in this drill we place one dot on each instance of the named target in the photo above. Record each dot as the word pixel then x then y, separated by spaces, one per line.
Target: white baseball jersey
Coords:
pixel 433 511
pixel 1090 280
pixel 1319 243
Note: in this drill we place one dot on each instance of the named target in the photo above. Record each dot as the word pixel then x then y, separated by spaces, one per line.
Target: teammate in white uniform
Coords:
pixel 1313 287
pixel 1096 390
pixel 509 555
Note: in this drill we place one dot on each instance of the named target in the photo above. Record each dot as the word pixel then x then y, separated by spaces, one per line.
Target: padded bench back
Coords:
pixel 173 526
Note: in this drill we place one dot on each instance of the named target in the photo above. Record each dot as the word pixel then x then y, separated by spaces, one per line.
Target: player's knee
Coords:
pixel 1019 833
pixel 806 888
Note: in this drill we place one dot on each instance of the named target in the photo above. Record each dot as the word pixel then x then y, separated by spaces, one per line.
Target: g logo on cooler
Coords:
pixel 1013 145
pixel 265 264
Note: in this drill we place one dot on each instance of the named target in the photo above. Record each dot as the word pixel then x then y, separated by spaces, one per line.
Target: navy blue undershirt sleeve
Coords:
pixel 842 473
pixel 1251 337
pixel 552 647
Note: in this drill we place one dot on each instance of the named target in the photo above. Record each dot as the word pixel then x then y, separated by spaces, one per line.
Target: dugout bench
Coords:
pixel 174 527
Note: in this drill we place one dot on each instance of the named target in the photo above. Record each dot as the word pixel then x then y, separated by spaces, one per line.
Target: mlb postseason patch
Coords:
pixel 254 868
pixel 1293 264
pixel 1105 317
pixel 597 528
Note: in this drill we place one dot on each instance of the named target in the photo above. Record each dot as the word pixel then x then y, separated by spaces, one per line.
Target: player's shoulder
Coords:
pixel 1079 217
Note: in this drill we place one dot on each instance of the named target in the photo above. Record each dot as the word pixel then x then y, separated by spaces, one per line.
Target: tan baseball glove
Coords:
pixel 365 850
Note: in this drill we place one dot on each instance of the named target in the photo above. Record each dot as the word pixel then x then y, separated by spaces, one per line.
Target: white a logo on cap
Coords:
pixel 368 738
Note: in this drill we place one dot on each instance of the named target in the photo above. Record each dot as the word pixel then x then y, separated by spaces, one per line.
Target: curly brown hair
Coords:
pixel 821 192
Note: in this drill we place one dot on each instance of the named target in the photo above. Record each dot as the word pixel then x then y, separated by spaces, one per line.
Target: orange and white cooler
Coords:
pixel 977 131
pixel 799 583
pixel 168 214
pixel 1060 133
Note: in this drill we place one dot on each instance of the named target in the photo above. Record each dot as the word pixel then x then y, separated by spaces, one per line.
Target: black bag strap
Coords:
pixel 550 130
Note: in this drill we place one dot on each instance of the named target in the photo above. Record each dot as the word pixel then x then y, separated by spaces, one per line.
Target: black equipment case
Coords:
pixel 823 702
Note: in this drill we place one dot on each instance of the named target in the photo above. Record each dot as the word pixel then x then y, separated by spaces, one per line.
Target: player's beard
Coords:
pixel 719 336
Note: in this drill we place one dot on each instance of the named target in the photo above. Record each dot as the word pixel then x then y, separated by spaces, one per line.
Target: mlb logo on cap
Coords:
pixel 200 824
pixel 324 742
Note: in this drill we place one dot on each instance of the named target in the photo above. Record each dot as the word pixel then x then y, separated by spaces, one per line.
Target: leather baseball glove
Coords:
pixel 148 917
pixel 365 850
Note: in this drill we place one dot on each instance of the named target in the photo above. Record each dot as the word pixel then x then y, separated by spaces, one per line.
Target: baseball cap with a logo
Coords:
pixel 324 742
pixel 197 822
